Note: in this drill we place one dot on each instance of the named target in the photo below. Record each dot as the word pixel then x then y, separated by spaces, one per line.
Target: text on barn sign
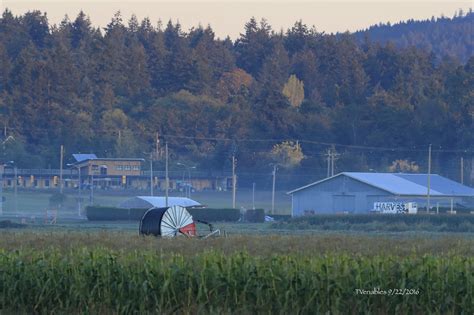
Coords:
pixel 395 207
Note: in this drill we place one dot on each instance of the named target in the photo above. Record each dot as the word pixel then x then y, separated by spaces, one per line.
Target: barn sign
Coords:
pixel 395 207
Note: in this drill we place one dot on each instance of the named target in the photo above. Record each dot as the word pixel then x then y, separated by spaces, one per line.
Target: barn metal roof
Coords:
pixel 83 157
pixel 441 184
pixel 159 202
pixel 406 184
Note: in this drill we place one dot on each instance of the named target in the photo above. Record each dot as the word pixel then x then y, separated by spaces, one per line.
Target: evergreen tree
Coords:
pixel 36 24
pixel 5 68
pixel 110 91
pixel 252 46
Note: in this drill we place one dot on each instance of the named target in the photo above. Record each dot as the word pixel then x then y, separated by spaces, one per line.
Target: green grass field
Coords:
pixel 260 244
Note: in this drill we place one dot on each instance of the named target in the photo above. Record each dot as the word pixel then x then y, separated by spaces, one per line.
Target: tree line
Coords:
pixel 441 36
pixel 111 91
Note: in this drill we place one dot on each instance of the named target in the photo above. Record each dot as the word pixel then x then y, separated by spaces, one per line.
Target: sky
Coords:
pixel 228 17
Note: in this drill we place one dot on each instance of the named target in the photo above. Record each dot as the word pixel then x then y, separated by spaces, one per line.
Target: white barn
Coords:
pixel 352 192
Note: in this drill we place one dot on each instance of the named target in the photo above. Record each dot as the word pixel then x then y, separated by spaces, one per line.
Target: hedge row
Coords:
pixel 281 217
pixel 255 216
pixel 449 221
pixel 216 214
pixel 99 213
pixel 386 218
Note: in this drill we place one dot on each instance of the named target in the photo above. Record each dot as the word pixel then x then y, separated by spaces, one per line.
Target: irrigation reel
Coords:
pixel 173 221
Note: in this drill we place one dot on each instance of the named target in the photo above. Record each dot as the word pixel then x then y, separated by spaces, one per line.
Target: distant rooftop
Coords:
pixel 87 157
pixel 406 184
pixel 84 157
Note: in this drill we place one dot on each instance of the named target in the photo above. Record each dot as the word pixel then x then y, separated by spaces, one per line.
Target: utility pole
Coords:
pixel 79 181
pixel 61 170
pixel 185 193
pixel 234 181
pixel 429 181
pixel 334 156
pixel 2 168
pixel 151 174
pixel 462 170
pixel 79 207
pixel 253 196
pixel 167 180
pixel 15 169
pixel 91 197
pixel 189 181
pixel 273 187
pixel 332 163
pixel 154 154
pixel 157 145
pixel 329 162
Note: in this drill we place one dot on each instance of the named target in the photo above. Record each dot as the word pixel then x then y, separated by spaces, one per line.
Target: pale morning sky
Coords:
pixel 227 17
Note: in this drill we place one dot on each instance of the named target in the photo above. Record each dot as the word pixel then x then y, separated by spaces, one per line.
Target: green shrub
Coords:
pixel 7 224
pixel 255 216
pixel 281 217
pixel 390 222
pixel 99 213
pixel 216 214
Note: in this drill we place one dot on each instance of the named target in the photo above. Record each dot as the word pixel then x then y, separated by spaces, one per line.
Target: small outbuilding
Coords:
pixel 146 202
pixel 354 192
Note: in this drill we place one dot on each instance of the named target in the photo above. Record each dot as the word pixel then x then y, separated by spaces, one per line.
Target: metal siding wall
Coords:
pixel 320 198
pixel 310 200
pixel 468 201
pixel 344 203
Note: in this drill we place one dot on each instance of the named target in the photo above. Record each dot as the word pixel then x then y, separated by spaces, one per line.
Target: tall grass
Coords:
pixel 260 245
pixel 108 281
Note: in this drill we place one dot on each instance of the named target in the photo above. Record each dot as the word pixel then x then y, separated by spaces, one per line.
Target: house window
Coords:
pixel 127 168
pixel 46 183
pixel 136 167
pixel 103 170
pixel 35 183
pixel 119 168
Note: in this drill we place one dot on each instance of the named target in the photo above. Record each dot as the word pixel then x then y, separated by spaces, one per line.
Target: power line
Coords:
pixel 268 140
pixel 317 143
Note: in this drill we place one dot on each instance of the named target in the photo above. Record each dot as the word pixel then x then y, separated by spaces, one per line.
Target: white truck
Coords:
pixel 395 207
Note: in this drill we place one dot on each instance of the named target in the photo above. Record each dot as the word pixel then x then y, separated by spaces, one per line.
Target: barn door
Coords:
pixel 343 203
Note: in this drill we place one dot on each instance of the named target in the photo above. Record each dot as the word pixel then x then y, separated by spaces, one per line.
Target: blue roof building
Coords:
pixel 354 192
pixel 84 157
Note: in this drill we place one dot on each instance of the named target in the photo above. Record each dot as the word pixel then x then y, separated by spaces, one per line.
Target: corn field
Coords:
pixel 105 281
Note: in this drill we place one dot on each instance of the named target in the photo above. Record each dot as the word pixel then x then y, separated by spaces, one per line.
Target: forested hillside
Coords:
pixel 111 91
pixel 443 36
